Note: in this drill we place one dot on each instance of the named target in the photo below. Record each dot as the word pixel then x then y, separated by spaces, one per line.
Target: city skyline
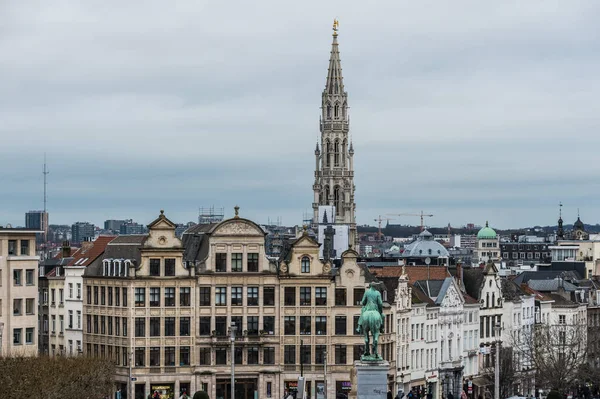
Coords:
pixel 182 111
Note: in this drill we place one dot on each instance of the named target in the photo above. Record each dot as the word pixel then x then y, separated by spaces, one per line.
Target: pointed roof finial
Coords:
pixel 486 224
pixel 336 24
pixel 237 211
pixel 304 230
pixel 560 210
pixel 162 213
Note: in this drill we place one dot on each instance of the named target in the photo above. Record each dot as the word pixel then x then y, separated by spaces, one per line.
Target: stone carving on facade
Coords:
pixel 236 229
pixel 326 268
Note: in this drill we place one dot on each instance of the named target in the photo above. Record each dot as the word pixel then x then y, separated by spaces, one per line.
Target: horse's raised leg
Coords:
pixel 375 342
pixel 367 343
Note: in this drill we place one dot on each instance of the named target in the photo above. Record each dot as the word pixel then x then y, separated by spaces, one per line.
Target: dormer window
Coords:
pixel 155 267
pixel 305 264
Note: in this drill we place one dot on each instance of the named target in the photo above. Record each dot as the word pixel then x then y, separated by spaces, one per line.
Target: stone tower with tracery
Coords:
pixel 334 155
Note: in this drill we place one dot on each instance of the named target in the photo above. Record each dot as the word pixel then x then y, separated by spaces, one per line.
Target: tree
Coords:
pixel 56 377
pixel 558 353
pixel 509 372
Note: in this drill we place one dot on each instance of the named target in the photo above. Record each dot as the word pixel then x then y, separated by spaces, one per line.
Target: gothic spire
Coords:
pixel 334 83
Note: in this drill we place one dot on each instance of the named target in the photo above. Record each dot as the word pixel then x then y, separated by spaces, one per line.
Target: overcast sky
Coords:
pixel 470 110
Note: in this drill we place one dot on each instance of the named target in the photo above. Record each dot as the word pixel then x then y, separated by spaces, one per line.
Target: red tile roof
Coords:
pixel 415 273
pixel 85 257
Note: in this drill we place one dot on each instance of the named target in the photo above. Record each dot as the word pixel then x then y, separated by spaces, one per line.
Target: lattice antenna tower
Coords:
pixel 45 172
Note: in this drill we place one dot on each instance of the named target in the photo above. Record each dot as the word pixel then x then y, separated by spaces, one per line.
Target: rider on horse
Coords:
pixel 371 318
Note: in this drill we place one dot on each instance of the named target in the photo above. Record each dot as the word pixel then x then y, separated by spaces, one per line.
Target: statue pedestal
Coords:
pixel 369 380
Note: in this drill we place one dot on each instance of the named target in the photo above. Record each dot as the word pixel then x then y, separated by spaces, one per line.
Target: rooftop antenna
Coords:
pixel 560 209
pixel 45 172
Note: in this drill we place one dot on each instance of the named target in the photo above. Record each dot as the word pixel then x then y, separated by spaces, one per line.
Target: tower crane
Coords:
pixel 379 220
pixel 422 215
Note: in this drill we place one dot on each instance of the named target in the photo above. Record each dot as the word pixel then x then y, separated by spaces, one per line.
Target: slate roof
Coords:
pixel 546 275
pixel 539 296
pixel 473 279
pixel 424 247
pixel 510 290
pixel 561 301
pixel 418 296
pixel 551 285
pixel 121 247
pixel 432 288
pixel 129 239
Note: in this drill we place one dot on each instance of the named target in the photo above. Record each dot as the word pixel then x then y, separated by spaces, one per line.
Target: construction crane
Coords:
pixel 422 215
pixel 379 220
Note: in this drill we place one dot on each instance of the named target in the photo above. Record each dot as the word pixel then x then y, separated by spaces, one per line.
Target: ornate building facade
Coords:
pixel 334 155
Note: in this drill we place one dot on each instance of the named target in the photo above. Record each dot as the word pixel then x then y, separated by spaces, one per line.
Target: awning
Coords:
pixel 482 381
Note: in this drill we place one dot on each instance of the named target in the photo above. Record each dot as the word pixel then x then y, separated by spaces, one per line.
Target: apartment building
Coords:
pixel 18 292
pixel 139 311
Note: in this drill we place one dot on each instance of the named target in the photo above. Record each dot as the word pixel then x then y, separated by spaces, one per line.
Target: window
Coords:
pixel 140 297
pixel 89 294
pixel 154 326
pixel 205 357
pixel 154 296
pixel 110 295
pixel 355 325
pixel 221 296
pixel 140 357
pixel 17 274
pixel 236 296
pixel 17 338
pixel 321 325
pixel 124 326
pixel 340 297
pixel 169 356
pixel 79 290
pixel 169 326
pixel 562 319
pixel 340 325
pixel 17 307
pixel 221 262
pixel 305 354
pixel 12 247
pixel 221 325
pixel 289 325
pixel 184 326
pixel 140 327
pixel 155 267
pixel 79 319
pixel 358 295
pixel 102 296
pixel 252 297
pixel 321 296
pixel 238 322
pixel 204 296
pixel 268 296
pixel 236 262
pixel 25 247
pixel 221 356
pixel 305 264
pixel 239 354
pixel 252 326
pixel 29 335
pixel 204 327
pixel 340 354
pixel 110 325
pixel 269 355
pixel 70 325
pixel 320 354
pixel 170 296
pixel 253 262
pixel 269 325
pixel 359 350
pixel 305 296
pixel 155 356
pixel 184 296
pixel 184 356
pixel 305 322
pixel 289 354
pixel 117 296
pixel 29 306
pixel 29 277
pixel 290 296
pixel 170 268
pixel 252 355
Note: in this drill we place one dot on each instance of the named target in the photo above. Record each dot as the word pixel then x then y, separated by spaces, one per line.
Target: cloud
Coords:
pixel 473 110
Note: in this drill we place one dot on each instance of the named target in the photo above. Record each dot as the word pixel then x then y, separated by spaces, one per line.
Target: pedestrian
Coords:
pixel 450 396
pixel 184 395
pixel 399 395
pixel 389 395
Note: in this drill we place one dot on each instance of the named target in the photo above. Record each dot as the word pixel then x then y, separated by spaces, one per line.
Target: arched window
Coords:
pixel 305 264
pixel 487 300
pixel 326 201
pixel 344 110
pixel 336 200
pixel 344 152
pixel 336 153
pixel 328 111
pixel 493 299
pixel 336 88
pixel 336 111
pixel 328 153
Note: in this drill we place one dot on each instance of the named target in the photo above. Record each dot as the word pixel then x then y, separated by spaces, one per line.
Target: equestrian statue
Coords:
pixel 371 321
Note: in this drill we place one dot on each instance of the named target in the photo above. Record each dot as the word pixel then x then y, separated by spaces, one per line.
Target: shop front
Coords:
pixel 431 380
pixel 244 388
pixel 342 389
pixel 165 391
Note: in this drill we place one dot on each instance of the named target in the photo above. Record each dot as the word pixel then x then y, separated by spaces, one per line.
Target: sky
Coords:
pixel 468 110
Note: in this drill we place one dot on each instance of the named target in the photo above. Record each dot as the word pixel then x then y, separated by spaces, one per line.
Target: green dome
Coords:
pixel 487 233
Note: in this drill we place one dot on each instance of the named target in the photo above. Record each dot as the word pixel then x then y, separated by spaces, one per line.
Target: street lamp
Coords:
pixel 232 337
pixel 497 329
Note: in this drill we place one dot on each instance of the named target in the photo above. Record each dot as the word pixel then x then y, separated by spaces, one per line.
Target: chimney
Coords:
pixel 66 249
pixel 86 244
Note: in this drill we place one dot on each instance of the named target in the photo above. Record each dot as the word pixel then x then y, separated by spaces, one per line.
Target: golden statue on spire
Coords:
pixel 336 24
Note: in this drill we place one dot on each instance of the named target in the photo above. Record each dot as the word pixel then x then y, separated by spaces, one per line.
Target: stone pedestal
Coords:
pixel 369 380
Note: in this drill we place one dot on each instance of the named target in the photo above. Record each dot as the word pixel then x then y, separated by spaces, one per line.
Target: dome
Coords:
pixel 487 233
pixel 578 225
pixel 425 247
